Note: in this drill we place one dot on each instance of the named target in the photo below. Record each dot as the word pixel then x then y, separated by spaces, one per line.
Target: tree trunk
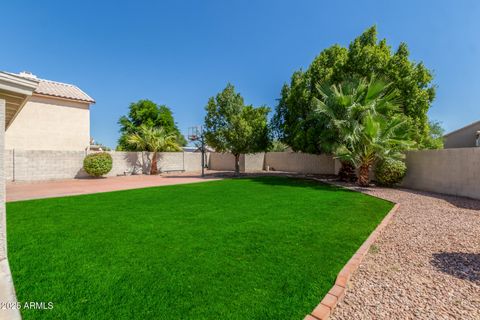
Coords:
pixel 364 175
pixel 237 164
pixel 154 168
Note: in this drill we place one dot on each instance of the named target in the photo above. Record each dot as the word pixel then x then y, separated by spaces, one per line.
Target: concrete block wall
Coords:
pixel 278 161
pixel 193 161
pixel 31 165
pixel 449 171
pixel 170 161
pixel 252 162
pixel 301 162
pixel 176 161
pixel 221 161
pixel 36 165
pixel 127 162
pixel 226 162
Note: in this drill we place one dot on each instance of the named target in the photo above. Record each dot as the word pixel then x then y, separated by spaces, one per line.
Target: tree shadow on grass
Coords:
pixel 300 181
pixel 462 265
pixel 257 176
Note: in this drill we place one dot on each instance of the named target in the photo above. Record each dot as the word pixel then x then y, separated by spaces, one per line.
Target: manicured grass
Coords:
pixel 257 248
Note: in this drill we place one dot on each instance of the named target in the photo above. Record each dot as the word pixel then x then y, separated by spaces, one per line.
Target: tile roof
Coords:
pixel 57 89
pixel 62 90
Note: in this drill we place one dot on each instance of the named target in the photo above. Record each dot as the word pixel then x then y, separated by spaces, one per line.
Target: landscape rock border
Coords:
pixel 323 310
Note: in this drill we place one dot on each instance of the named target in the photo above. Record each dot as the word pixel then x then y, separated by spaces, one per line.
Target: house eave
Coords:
pixel 15 91
pixel 16 84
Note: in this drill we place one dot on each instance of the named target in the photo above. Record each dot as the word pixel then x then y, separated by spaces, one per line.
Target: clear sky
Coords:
pixel 180 53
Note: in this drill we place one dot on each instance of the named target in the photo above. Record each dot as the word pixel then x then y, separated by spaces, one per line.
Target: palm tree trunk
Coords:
pixel 364 175
pixel 154 168
pixel 237 164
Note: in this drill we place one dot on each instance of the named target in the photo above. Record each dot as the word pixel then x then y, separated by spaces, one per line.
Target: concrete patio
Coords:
pixel 17 191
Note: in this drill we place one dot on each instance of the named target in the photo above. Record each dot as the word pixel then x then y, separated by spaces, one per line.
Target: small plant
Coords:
pixel 277 146
pixel 97 164
pixel 374 249
pixel 390 172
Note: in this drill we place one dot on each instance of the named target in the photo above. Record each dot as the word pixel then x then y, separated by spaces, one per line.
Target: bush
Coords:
pixel 347 172
pixel 277 146
pixel 390 172
pixel 97 164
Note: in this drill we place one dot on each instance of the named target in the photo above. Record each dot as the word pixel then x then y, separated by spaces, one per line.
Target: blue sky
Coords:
pixel 180 53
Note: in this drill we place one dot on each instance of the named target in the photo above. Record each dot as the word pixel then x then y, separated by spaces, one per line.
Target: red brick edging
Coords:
pixel 323 310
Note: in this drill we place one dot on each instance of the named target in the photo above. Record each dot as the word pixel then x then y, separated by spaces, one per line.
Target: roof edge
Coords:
pixel 464 127
pixel 17 83
pixel 29 86
pixel 63 98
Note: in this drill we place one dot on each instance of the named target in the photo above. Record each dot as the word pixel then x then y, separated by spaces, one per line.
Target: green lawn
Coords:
pixel 256 248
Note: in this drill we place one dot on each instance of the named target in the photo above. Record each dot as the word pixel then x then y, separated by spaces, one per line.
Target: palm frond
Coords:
pixel 154 139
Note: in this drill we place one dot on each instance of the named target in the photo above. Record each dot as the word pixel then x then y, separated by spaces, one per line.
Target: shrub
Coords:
pixel 277 146
pixel 390 172
pixel 97 164
pixel 347 172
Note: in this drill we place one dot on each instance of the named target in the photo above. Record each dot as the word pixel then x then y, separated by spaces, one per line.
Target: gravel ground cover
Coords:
pixel 425 264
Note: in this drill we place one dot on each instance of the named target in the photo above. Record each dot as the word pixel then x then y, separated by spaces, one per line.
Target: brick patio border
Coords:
pixel 323 310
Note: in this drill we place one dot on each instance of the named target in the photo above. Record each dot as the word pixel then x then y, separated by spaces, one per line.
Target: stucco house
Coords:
pixel 56 116
pixel 466 137
pixel 14 93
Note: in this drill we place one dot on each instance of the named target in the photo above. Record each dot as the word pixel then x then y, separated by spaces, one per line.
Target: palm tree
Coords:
pixel 377 138
pixel 154 140
pixel 364 118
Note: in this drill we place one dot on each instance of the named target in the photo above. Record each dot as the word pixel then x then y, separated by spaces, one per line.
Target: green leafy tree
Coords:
pixel 363 115
pixel 277 146
pixel 366 57
pixel 435 138
pixel 232 126
pixel 149 114
pixel 102 146
pixel 153 139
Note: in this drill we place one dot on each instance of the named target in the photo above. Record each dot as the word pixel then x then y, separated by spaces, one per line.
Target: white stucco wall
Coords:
pixel 50 124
